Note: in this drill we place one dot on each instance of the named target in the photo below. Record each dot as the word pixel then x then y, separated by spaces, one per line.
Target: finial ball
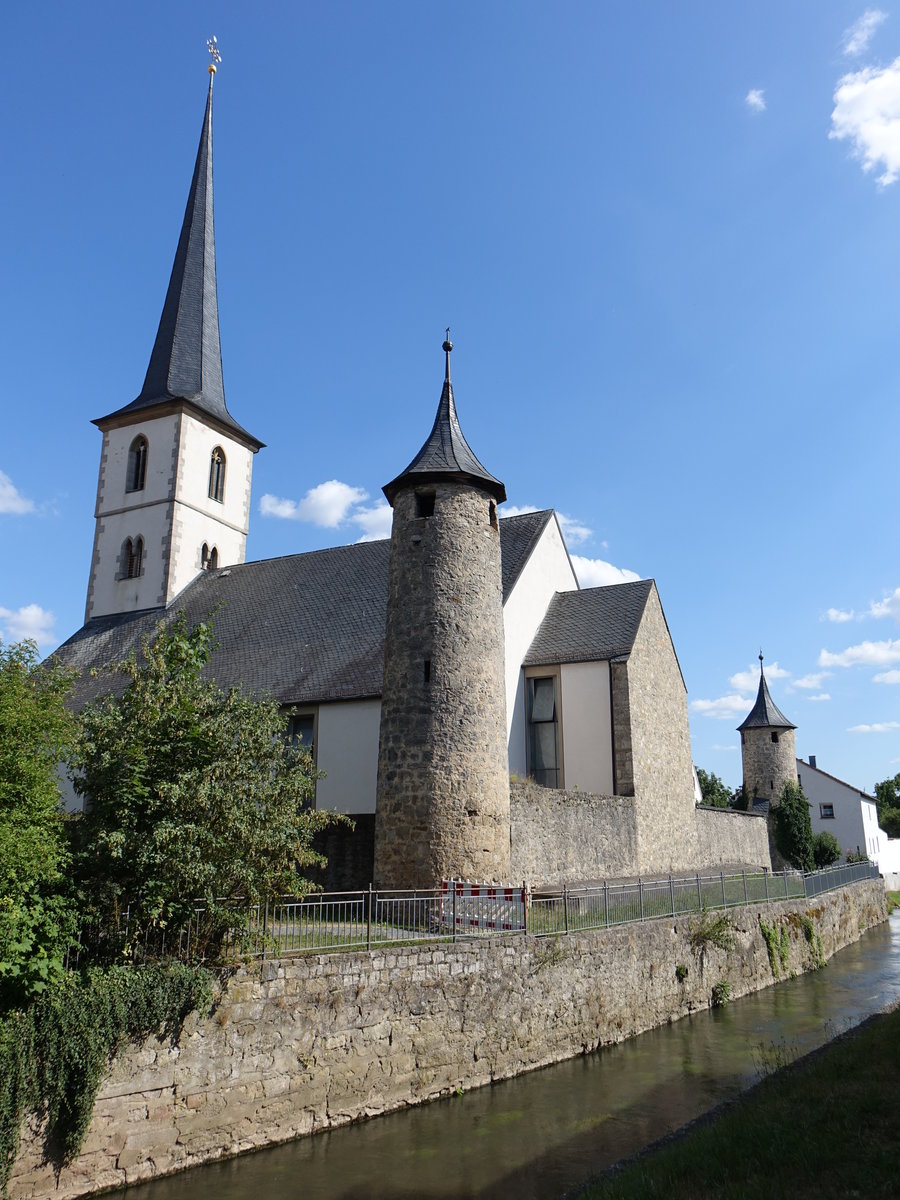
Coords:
pixel 447 346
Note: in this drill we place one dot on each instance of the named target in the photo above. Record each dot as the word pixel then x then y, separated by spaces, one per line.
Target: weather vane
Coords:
pixel 213 47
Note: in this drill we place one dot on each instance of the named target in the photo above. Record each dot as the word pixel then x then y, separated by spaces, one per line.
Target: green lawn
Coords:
pixel 823 1128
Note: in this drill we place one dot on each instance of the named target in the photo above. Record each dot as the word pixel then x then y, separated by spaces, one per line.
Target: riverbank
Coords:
pixel 313 1043
pixel 823 1127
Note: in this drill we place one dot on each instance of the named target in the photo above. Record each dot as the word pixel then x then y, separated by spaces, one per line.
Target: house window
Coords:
pixel 543 730
pixel 137 465
pixel 826 812
pixel 774 737
pixel 302 731
pixel 217 475
pixel 424 504
pixel 132 558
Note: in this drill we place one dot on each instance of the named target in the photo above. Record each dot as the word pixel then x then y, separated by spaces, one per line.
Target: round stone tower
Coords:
pixel 443 769
pixel 767 746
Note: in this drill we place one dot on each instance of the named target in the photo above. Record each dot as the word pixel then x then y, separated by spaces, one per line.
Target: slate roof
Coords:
pixel 765 713
pixel 446 455
pixel 591 625
pixel 306 628
pixel 186 362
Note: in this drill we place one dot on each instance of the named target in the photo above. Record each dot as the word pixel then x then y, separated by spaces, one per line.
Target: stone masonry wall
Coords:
pixel 443 768
pixel 727 837
pixel 301 1045
pixel 567 837
pixel 768 765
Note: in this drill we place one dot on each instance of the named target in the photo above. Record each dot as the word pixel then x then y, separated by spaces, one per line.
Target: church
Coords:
pixel 475 711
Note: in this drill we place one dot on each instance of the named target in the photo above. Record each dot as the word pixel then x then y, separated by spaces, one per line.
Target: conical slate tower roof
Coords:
pixel 446 455
pixel 186 363
pixel 765 714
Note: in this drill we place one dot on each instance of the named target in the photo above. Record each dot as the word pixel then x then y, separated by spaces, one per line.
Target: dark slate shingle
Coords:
pixel 591 625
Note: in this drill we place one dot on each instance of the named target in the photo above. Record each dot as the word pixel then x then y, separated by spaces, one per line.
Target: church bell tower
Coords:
pixel 173 494
pixel 443 769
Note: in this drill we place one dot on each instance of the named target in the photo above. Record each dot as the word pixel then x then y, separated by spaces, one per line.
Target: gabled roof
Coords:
pixel 591 625
pixel 186 362
pixel 306 628
pixel 765 713
pixel 446 455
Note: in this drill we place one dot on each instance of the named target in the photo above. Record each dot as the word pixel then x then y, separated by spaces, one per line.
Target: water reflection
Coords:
pixel 542 1134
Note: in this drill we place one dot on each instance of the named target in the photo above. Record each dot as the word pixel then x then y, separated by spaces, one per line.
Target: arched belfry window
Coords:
pixel 204 557
pixel 213 562
pixel 132 558
pixel 137 465
pixel 217 475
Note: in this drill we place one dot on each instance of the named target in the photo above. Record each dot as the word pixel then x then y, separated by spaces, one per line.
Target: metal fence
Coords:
pixel 455 911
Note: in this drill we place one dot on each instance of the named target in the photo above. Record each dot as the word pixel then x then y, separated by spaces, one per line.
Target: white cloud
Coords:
pixel 573 530
pixel 867 114
pixel 811 681
pixel 838 615
pixel 375 521
pixel 11 499
pixel 595 572
pixel 856 39
pixel 716 746
pixel 723 709
pixel 517 510
pixel 326 505
pixel 887 677
pixel 878 727
pixel 748 681
pixel 888 607
pixel 29 621
pixel 821 696
pixel 756 100
pixel 873 654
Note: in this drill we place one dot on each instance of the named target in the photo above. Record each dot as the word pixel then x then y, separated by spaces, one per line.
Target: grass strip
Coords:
pixel 823 1127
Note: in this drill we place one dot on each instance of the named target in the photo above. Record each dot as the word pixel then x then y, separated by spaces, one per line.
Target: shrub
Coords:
pixel 826 849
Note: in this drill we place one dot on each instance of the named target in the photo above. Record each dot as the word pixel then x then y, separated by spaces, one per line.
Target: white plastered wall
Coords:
pixel 547 571
pixel 586 727
pixel 347 751
pixel 847 824
pixel 197 517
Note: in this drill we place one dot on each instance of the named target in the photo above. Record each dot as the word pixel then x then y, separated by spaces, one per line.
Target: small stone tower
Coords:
pixel 443 768
pixel 767 746
pixel 173 494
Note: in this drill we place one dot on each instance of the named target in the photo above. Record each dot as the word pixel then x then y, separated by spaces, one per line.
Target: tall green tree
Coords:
pixel 36 732
pixel 793 827
pixel 713 790
pixel 193 793
pixel 887 799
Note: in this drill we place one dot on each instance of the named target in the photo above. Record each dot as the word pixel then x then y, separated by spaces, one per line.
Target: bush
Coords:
pixel 826 850
pixel 793 828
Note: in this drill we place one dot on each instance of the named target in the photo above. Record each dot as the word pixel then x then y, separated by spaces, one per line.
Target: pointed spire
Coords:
pixel 186 361
pixel 765 713
pixel 446 456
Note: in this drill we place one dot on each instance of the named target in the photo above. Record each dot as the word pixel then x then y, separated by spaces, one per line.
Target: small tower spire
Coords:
pixel 447 347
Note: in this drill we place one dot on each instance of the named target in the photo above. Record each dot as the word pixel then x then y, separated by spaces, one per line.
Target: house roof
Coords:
pixel 807 766
pixel 446 455
pixel 591 625
pixel 186 361
pixel 765 713
pixel 306 628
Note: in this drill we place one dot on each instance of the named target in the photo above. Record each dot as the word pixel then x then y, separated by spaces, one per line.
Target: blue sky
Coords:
pixel 666 238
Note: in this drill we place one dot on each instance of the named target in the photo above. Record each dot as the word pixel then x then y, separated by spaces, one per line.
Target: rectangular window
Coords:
pixel 302 731
pixel 543 731
pixel 826 812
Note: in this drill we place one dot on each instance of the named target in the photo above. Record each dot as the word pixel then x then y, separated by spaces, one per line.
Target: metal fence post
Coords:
pixel 641 895
pixel 369 920
pixel 724 897
pixel 265 927
pixel 453 909
pixel 672 894
pixel 606 901
pixel 699 892
pixel 746 897
pixel 766 878
pixel 785 884
pixel 566 907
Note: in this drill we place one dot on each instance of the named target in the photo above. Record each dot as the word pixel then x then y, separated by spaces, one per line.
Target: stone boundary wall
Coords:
pixel 559 837
pixel 296 1046
pixel 729 837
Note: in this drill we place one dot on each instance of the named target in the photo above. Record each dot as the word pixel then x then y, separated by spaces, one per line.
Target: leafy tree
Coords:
pixel 887 799
pixel 194 793
pixel 826 849
pixel 713 791
pixel 36 921
pixel 793 827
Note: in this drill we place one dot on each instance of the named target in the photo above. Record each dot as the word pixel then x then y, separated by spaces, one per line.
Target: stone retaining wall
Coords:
pixel 300 1045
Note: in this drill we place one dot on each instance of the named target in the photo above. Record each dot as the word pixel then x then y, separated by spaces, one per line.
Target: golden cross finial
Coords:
pixel 213 47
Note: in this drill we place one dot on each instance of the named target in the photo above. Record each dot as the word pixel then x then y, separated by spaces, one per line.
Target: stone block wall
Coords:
pixel 565 837
pixel 727 837
pixel 306 1044
pixel 768 765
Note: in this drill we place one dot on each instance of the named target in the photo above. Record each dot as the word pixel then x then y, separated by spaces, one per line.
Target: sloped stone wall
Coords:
pixel 302 1045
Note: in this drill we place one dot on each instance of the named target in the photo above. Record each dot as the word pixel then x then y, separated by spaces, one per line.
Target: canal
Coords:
pixel 540 1135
